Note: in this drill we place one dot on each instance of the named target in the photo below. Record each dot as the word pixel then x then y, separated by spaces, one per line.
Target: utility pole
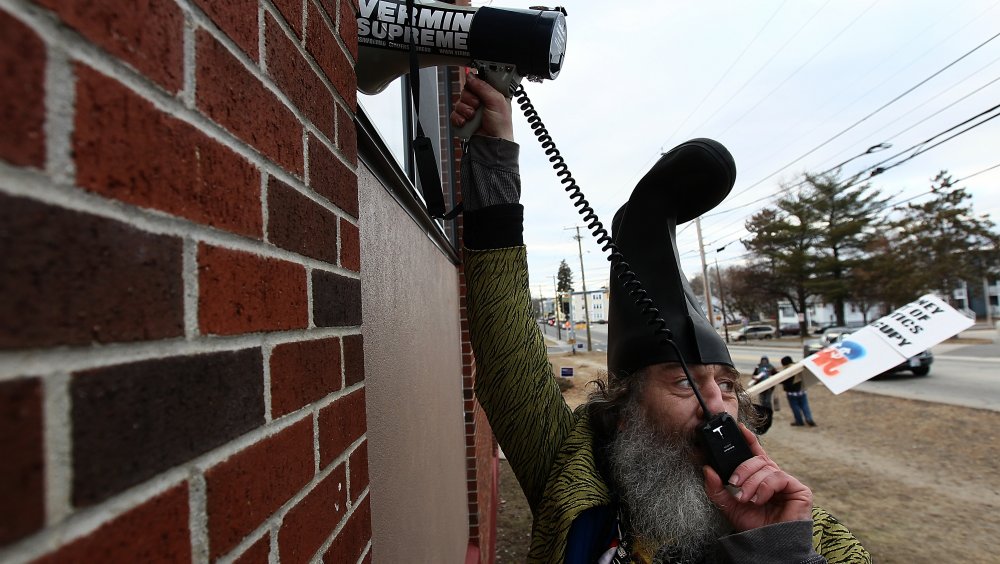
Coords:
pixel 558 310
pixel 704 276
pixel 583 280
pixel 722 294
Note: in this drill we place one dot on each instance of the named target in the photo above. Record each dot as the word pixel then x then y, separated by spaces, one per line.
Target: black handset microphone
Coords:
pixel 721 436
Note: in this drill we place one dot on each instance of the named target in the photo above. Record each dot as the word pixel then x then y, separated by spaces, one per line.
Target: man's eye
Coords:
pixel 727 386
pixel 683 383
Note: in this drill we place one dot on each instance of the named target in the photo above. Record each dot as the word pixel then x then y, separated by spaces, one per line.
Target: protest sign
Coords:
pixel 886 343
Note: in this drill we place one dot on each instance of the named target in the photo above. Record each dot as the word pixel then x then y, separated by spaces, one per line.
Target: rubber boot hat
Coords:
pixel 685 182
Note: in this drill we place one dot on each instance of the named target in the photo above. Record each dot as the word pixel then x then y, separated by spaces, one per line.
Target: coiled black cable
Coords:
pixel 630 281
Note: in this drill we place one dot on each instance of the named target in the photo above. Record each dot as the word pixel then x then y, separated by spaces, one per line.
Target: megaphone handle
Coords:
pixel 502 77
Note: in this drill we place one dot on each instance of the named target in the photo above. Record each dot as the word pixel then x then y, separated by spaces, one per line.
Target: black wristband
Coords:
pixel 494 227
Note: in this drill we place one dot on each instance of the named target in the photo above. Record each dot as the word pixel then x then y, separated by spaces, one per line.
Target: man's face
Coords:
pixel 656 462
pixel 669 403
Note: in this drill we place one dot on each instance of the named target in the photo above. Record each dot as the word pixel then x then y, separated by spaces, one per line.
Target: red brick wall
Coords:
pixel 181 360
pixel 481 453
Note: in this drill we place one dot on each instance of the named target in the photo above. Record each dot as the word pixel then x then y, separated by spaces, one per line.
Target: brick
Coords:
pixel 323 46
pixel 234 98
pixel 348 27
pixel 237 19
pixel 347 136
pixel 245 293
pixel 350 246
pixel 302 373
pixel 22 94
pixel 133 421
pixel 336 299
pixel 70 278
pixel 291 10
pixel 297 79
pixel 128 150
pixel 353 538
pixel 22 493
pixel 148 35
pixel 340 424
pixel 354 360
pixel 359 471
pixel 307 525
pixel 331 178
pixel 154 532
pixel 247 488
pixel 296 223
pixel 258 553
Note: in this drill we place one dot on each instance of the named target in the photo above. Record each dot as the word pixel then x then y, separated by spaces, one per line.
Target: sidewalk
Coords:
pixel 956 348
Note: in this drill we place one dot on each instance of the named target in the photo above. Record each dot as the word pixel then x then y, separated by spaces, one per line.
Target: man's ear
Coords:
pixel 765 415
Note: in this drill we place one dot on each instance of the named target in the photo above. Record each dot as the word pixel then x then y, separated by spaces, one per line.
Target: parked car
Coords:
pixel 919 365
pixel 755 332
pixel 789 329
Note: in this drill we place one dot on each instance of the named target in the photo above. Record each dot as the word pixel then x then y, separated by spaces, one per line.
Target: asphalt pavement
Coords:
pixel 964 373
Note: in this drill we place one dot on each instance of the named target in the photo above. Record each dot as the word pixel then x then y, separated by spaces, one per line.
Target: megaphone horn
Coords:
pixel 532 41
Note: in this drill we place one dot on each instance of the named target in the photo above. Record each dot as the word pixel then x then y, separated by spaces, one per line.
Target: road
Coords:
pixel 965 375
pixel 961 375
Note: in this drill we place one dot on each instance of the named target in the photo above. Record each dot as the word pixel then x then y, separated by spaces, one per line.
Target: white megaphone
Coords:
pixel 505 44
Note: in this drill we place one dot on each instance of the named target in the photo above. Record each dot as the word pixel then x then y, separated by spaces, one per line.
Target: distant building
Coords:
pixel 598 302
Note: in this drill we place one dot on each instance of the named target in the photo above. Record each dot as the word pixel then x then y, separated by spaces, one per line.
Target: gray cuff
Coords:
pixel 789 542
pixel 490 174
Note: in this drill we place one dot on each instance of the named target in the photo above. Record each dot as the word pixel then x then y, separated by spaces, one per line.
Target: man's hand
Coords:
pixel 496 109
pixel 767 495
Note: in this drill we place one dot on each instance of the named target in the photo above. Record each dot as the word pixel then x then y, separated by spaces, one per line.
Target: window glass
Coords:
pixel 385 110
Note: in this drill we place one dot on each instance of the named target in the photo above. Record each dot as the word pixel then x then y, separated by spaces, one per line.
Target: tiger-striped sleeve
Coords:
pixel 514 380
pixel 835 542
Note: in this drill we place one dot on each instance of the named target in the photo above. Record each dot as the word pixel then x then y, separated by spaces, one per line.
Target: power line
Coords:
pixel 762 67
pixel 741 88
pixel 877 169
pixel 865 118
pixel 799 68
pixel 941 142
pixel 835 167
pixel 917 107
pixel 888 78
pixel 724 74
pixel 976 173
pixel 944 108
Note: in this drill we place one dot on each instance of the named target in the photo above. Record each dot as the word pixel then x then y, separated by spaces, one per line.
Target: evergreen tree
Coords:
pixel 564 278
pixel 847 219
pixel 943 239
pixel 564 284
pixel 781 244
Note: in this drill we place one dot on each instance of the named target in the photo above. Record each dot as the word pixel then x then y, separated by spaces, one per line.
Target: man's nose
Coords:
pixel 712 394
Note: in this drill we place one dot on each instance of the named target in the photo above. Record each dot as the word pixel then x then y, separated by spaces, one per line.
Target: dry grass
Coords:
pixel 915 481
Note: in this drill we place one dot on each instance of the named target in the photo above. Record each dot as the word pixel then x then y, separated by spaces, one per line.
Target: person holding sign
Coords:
pixel 797 399
pixel 761 372
pixel 624 478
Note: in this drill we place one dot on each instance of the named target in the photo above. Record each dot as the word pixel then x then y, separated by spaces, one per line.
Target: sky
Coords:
pixel 788 86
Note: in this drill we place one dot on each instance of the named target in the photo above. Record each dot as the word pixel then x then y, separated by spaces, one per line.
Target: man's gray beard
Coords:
pixel 663 488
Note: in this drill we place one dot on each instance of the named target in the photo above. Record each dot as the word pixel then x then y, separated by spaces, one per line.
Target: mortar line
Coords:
pixel 48 361
pixel 34 185
pixel 79 49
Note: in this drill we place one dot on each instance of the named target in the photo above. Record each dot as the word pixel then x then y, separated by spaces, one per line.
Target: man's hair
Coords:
pixel 606 405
